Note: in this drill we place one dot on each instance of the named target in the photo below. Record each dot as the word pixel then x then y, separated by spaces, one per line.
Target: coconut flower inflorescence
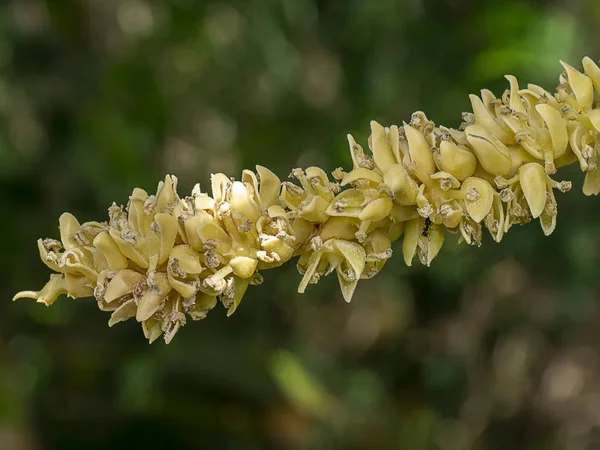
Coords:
pixel 165 258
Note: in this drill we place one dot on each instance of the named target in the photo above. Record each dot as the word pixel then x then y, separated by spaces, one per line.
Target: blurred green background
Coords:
pixel 490 348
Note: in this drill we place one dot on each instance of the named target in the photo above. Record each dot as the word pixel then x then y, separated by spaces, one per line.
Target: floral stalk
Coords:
pixel 164 258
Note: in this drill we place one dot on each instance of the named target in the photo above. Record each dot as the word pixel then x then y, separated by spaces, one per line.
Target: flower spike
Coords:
pixel 163 259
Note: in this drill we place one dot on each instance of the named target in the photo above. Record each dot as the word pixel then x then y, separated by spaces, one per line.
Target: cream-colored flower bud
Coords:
pixel 470 230
pixel 533 119
pixel 576 141
pixel 250 180
pixel 492 154
pixel 291 195
pixel 394 137
pixel 350 270
pixel 47 249
pixel 139 221
pixel 122 284
pixel 128 249
pixel 359 158
pixel 124 312
pixel 152 329
pixel 241 202
pixel 347 203
pixel 316 176
pixel 233 300
pixel 548 216
pixel 489 101
pixel 457 135
pixel 495 220
pixel 516 103
pixel 167 229
pixel 478 196
pixel 591 183
pixel 581 85
pixel 269 187
pixel 187 259
pixel 311 265
pixel 362 174
pixel 533 182
pixel 314 210
pixel 152 296
pixel 592 71
pixel 542 94
pixel 220 183
pixel 484 118
pixel 557 127
pixel 381 148
pixel 182 270
pixel 451 214
pixel 377 209
pixel 419 150
pixel 412 231
pixel 378 246
pixel 173 317
pixel 68 226
pixel 78 263
pixel 166 194
pixel 401 183
pixel 185 288
pixel 275 246
pixel 424 201
pixel 203 202
pixel 243 266
pixel 459 162
pixel 274 211
pixel 211 231
pixel 114 258
pixel 446 180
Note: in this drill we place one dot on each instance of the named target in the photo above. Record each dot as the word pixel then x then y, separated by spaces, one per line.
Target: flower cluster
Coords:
pixel 163 258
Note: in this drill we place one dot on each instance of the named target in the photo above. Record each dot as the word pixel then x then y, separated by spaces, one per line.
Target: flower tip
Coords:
pixel 375 124
pixel 35 296
pixel 26 294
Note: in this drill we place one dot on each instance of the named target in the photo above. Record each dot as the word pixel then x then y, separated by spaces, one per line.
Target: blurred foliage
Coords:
pixel 491 348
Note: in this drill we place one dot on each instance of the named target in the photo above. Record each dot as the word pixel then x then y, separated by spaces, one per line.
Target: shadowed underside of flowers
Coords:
pixel 164 258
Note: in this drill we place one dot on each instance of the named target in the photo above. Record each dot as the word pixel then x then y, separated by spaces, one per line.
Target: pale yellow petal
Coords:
pixel 582 86
pixel 382 150
pixel 491 152
pixel 479 196
pixel 533 182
